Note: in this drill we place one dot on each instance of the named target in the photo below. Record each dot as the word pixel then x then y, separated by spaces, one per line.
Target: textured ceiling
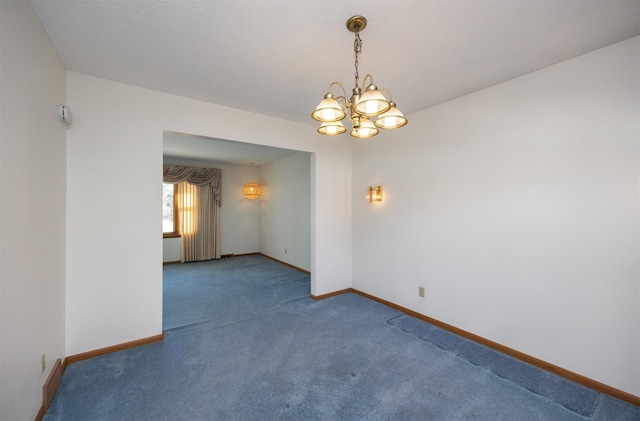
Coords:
pixel 277 57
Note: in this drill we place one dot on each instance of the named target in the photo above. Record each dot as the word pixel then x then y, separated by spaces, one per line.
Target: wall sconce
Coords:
pixel 251 191
pixel 375 194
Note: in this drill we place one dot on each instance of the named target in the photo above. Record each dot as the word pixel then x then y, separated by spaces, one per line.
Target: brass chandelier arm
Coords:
pixel 364 82
pixel 341 99
pixel 344 90
pixel 388 92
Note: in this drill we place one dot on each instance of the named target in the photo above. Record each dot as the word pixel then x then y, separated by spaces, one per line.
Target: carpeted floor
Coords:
pixel 244 342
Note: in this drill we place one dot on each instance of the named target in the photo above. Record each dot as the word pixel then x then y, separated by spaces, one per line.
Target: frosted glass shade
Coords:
pixel 332 128
pixel 391 119
pixel 366 129
pixel 372 102
pixel 328 110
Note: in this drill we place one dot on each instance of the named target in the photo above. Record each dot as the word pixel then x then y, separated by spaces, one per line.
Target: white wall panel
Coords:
pixel 114 279
pixel 285 210
pixel 516 207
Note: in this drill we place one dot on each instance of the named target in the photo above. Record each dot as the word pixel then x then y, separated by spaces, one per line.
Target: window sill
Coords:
pixel 171 235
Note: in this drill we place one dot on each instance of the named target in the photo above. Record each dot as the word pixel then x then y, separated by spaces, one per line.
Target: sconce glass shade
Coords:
pixel 372 102
pixel 328 110
pixel 251 191
pixel 365 130
pixel 391 119
pixel 332 128
pixel 375 194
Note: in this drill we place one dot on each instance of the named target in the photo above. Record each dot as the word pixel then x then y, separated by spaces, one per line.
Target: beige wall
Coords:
pixel 32 209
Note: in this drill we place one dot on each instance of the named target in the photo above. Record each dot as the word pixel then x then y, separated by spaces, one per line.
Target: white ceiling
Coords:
pixel 277 57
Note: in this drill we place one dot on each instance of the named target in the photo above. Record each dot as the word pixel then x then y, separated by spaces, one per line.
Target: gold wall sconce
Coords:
pixel 251 191
pixel 375 194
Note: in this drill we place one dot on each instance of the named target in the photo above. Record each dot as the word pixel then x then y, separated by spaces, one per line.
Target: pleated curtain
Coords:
pixel 198 204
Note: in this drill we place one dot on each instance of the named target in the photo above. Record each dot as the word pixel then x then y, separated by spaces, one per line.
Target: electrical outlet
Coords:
pixel 43 362
pixel 421 292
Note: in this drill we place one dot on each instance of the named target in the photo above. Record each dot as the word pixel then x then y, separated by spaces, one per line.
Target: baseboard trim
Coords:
pixel 331 294
pixel 285 263
pixel 570 375
pixel 50 388
pixel 114 348
pixel 40 414
pixel 51 385
pixel 173 262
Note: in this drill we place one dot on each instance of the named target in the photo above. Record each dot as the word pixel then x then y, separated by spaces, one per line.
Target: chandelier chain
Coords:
pixel 357 49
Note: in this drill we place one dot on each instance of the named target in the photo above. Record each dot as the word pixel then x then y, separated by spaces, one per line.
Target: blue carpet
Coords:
pixel 229 289
pixel 572 396
pixel 244 342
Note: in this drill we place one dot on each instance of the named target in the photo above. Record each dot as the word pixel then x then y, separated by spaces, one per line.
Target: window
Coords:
pixel 169 213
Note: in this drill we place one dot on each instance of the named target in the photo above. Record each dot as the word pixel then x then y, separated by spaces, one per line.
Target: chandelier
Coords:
pixel 361 107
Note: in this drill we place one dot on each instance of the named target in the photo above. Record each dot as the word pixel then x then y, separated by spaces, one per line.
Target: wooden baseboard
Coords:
pixel 114 348
pixel 285 263
pixel 570 375
pixel 173 262
pixel 51 385
pixel 40 414
pixel 50 388
pixel 331 294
